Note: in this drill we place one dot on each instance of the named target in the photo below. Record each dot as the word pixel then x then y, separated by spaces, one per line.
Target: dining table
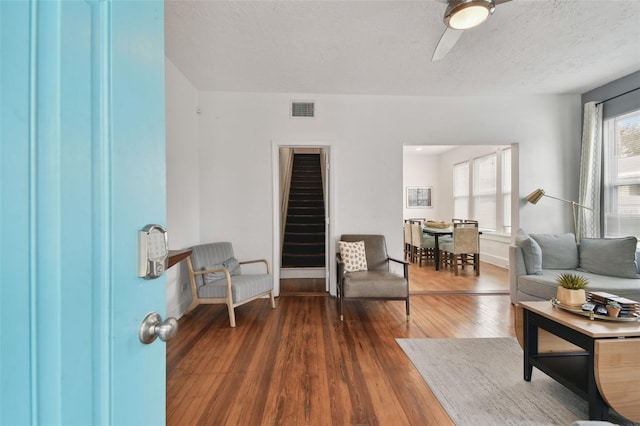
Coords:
pixel 436 233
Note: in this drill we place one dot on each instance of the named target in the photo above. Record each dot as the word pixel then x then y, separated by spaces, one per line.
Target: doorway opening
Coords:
pixel 304 234
pixel 468 182
pixel 304 220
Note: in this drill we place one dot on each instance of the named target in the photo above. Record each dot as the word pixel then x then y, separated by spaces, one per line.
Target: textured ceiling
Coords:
pixel 384 47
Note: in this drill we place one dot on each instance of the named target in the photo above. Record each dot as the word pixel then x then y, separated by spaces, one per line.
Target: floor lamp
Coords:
pixel 536 195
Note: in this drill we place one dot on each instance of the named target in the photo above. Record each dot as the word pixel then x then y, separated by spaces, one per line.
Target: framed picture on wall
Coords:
pixel 418 197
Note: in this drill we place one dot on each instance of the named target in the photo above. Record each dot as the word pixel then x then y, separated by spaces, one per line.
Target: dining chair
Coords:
pixel 408 248
pixel 423 245
pixel 464 249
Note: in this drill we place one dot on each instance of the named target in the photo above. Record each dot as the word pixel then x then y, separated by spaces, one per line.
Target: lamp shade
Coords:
pixel 465 14
pixel 535 196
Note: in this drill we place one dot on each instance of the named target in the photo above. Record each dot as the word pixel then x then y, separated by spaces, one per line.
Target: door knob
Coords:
pixel 152 327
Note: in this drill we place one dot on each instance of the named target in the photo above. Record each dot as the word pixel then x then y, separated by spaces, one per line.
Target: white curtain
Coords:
pixel 590 173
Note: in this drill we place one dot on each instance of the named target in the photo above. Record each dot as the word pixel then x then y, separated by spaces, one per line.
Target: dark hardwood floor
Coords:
pixel 299 365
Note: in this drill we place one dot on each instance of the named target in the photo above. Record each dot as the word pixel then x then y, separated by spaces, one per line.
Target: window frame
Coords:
pixel 611 180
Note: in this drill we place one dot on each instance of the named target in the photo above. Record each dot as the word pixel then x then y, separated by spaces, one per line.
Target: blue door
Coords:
pixel 82 169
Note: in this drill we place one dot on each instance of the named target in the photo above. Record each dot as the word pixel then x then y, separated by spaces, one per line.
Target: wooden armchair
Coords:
pixel 216 277
pixel 374 281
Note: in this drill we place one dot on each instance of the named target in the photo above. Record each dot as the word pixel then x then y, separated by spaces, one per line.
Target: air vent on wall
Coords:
pixel 303 109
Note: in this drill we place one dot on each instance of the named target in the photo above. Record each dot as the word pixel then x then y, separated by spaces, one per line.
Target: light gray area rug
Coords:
pixel 480 382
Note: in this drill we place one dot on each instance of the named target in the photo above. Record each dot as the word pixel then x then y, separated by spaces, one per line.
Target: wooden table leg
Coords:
pixel 437 253
pixel 530 344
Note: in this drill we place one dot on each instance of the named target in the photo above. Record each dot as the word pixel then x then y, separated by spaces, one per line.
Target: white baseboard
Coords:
pixel 302 273
pixel 180 309
pixel 495 260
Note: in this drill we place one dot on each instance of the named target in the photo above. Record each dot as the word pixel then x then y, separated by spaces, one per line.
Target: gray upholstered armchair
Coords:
pixel 216 277
pixel 370 279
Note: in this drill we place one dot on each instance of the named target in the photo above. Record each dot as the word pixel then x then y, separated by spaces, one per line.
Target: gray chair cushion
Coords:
pixel 559 251
pixel 243 287
pixel 531 252
pixel 609 256
pixel 374 284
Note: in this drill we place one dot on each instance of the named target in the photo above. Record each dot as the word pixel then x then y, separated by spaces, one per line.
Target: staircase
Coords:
pixel 304 236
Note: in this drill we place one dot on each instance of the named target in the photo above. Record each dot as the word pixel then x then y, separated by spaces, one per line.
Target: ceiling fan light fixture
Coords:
pixel 465 14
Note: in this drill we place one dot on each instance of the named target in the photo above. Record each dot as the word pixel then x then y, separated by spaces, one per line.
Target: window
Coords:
pixel 461 190
pixel 621 139
pixel 484 191
pixel 506 191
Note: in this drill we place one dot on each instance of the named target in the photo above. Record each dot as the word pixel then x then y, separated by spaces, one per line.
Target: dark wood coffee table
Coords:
pixel 605 371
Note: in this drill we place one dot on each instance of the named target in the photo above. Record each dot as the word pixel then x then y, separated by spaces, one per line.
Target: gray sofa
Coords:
pixel 535 261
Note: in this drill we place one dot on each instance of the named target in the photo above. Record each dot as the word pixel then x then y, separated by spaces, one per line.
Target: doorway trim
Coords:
pixel 330 283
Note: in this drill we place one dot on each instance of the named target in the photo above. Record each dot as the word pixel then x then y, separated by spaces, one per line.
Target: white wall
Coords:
pixel 366 135
pixel 183 181
pixel 424 171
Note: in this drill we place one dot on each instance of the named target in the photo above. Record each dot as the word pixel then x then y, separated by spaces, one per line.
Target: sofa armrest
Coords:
pixel 516 268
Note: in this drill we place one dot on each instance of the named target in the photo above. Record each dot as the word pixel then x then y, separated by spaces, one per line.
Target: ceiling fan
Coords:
pixel 461 15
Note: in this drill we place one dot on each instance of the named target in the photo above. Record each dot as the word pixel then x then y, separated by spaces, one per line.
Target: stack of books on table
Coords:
pixel 628 308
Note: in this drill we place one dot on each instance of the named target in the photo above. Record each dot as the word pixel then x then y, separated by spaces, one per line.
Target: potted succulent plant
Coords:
pixel 571 290
pixel 613 308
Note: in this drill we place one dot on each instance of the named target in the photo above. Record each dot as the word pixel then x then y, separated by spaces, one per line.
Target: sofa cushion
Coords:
pixel 615 257
pixel 353 255
pixel 531 252
pixel 541 286
pixel 559 251
pixel 544 287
